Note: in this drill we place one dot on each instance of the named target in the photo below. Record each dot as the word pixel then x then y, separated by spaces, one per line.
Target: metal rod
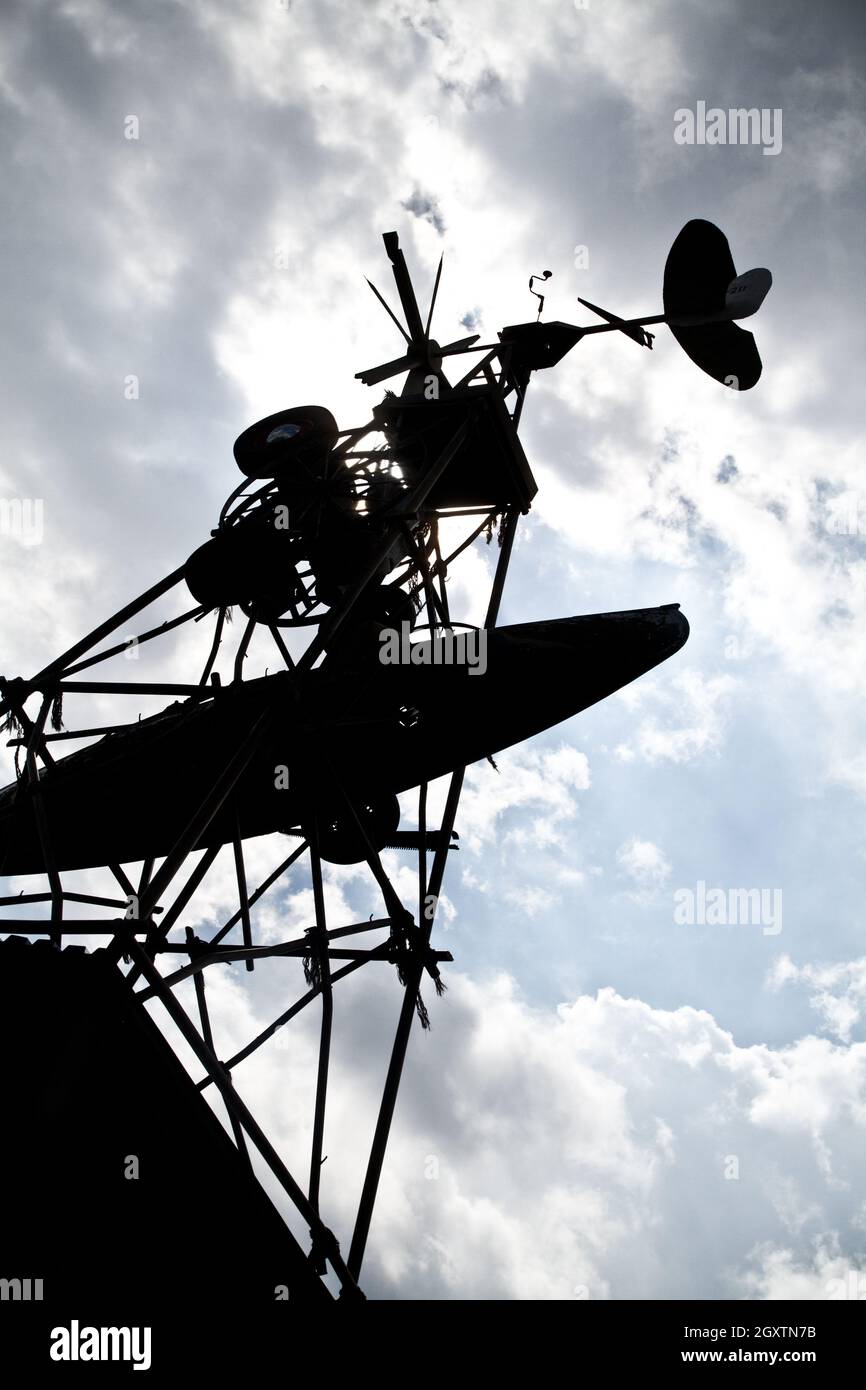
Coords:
pixel 286 948
pixel 211 1065
pixel 199 823
pixel 78 926
pixel 241 655
pixel 262 888
pixel 68 897
pixel 401 1042
pixel 281 647
pixel 121 688
pixel 488 517
pixel 433 297
pixel 144 637
pixel 157 935
pixel 479 366
pixel 207 1034
pixel 42 821
pixel 441 573
pixel 386 306
pixel 383 1123
pixel 183 897
pixel 319 942
pixel 241 875
pixel 129 611
pixel 440 858
pixel 118 873
pixel 66 734
pixel 422 850
pixel 305 999
pixel 215 646
pixel 434 607
pixel 511 520
pixel 145 876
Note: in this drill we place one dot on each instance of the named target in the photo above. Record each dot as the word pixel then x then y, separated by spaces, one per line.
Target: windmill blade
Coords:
pixel 404 286
pixel 389 311
pixel 459 345
pixel 371 376
pixel 433 298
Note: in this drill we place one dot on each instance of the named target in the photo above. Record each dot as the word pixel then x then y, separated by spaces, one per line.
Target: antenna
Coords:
pixel 540 297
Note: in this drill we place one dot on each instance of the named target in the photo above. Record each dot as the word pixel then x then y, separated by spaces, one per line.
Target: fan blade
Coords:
pixel 389 310
pixel 433 299
pixel 373 375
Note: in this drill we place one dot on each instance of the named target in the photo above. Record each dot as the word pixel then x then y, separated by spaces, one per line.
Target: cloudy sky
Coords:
pixel 612 1102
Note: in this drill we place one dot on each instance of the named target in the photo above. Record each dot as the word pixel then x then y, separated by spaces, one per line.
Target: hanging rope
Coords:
pixel 13 725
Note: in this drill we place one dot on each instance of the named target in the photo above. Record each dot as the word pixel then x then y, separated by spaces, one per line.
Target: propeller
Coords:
pixel 424 355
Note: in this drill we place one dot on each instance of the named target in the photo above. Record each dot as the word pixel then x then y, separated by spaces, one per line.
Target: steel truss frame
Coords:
pixel 141 939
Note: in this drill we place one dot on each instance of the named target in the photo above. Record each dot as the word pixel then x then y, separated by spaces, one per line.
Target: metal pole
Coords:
pixel 320 947
pixel 42 821
pixel 262 888
pixel 241 876
pixel 511 521
pixel 207 1034
pixel 222 788
pixel 305 999
pixel 148 597
pixel 182 1022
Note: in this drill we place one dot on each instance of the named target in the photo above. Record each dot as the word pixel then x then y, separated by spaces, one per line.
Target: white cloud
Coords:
pixel 536 1151
pixel 692 722
pixel 839 990
pixel 541 781
pixel 823 1273
pixel 645 864
pixel 586 1147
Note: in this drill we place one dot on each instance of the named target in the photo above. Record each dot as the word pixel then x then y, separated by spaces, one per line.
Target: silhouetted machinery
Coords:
pixel 342 533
